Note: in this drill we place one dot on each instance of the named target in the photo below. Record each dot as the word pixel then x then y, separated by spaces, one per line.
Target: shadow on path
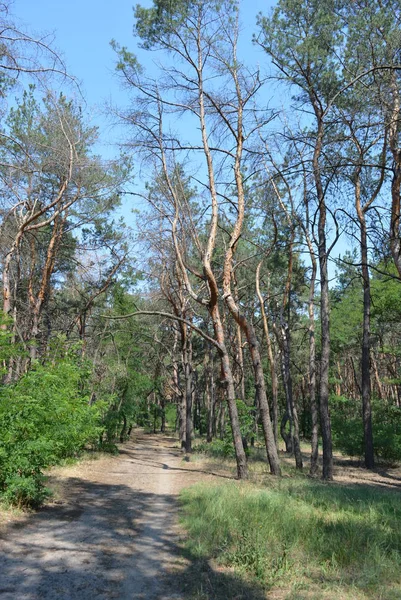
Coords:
pixel 108 541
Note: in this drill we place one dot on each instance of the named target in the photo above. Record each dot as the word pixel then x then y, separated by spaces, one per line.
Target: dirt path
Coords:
pixel 115 535
pixel 112 531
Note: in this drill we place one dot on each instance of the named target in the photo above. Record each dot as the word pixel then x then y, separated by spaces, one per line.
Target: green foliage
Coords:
pixel 217 448
pixel 8 350
pixel 346 321
pixel 172 24
pixel 224 448
pixel 120 378
pixel 303 39
pixel 158 22
pixel 298 531
pixel 44 417
pixel 25 491
pixel 171 414
pixel 246 418
pixel 346 420
pixel 386 297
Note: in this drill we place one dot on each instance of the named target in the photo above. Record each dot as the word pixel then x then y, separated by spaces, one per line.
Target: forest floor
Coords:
pixel 111 530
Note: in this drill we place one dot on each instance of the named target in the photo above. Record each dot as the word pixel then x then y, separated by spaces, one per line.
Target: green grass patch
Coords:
pixel 344 541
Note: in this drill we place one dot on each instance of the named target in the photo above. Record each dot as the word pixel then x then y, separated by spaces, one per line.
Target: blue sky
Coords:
pixel 83 29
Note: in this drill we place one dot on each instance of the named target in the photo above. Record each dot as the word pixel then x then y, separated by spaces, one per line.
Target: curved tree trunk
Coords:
pixel 253 344
pixel 228 381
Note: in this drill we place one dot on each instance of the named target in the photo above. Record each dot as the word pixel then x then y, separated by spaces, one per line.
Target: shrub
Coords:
pixel 25 491
pixel 217 448
pixel 224 448
pixel 347 427
pixel 44 417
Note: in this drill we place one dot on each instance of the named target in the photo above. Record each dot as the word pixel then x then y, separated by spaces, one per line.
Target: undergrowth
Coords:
pixel 300 533
pixel 45 418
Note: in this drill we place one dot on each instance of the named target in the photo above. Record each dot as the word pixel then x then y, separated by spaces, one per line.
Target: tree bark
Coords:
pixel 289 393
pixel 270 355
pixel 395 239
pixel 366 382
pixel 210 395
pixel 253 345
pixel 228 381
pixel 324 304
pixel 312 365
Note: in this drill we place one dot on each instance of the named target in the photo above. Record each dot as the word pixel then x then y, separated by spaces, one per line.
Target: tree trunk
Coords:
pixel 395 240
pixel 312 368
pixel 270 355
pixel 291 404
pixel 253 344
pixel 242 467
pixel 188 374
pixel 228 381
pixel 210 395
pixel 163 415
pixel 124 428
pixel 239 358
pixel 366 384
pixel 287 437
pixel 37 303
pixel 324 303
pixel 324 365
pixel 182 420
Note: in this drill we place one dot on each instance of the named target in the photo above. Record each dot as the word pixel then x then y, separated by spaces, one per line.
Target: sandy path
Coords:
pixel 114 536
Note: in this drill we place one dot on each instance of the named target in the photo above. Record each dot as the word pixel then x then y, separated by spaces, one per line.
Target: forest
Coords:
pixel 233 274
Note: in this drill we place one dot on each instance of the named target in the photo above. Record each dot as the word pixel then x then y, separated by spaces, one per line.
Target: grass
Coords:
pixel 311 539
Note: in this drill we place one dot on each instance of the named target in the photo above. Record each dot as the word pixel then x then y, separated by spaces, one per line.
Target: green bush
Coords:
pixel 25 491
pixel 44 417
pixel 217 448
pixel 347 428
pixel 224 448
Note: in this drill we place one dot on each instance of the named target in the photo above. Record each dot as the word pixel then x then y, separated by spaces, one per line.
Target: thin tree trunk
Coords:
pixel 210 395
pixel 366 385
pixel 380 390
pixel 291 404
pixel 239 352
pixel 163 413
pixel 312 365
pixel 253 345
pixel 324 304
pixel 270 355
pixel 38 303
pixel 188 374
pixel 287 437
pixel 395 240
